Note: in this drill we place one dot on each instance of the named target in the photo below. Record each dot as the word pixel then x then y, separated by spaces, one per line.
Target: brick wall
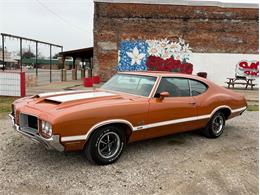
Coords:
pixel 206 29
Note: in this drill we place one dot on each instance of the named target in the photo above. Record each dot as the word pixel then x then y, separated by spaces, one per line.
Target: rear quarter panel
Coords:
pixel 215 98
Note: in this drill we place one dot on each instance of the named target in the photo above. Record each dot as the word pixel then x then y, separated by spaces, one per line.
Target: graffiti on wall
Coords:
pixel 157 55
pixel 248 68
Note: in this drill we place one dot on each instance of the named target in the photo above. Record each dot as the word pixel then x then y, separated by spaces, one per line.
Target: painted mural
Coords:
pixel 157 55
pixel 248 68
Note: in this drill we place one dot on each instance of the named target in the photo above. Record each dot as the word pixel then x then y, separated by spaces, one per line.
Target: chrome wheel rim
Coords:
pixel 109 145
pixel 217 124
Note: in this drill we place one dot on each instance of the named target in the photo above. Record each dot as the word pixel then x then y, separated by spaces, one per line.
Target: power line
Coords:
pixel 60 17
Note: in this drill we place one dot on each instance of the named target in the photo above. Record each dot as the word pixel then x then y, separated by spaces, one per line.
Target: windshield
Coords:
pixel 133 84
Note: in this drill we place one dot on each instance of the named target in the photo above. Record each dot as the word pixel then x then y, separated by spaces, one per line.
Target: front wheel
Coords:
pixel 215 126
pixel 105 145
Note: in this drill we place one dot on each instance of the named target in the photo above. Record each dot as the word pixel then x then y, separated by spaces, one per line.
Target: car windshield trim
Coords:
pixel 134 75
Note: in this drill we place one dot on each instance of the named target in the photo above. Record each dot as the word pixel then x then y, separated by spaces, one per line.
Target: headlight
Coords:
pixel 46 129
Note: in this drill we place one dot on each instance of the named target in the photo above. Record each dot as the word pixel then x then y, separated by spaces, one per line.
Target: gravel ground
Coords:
pixel 186 163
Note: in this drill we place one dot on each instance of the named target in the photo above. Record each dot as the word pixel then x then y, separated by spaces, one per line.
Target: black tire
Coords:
pixel 105 145
pixel 212 130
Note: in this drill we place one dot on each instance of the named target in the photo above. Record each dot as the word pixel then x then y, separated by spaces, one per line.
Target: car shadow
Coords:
pixel 42 157
pixel 38 155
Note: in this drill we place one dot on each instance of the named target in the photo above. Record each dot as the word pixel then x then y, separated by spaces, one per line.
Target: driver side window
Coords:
pixel 176 87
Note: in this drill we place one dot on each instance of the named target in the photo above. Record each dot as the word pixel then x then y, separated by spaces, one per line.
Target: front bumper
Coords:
pixel 51 143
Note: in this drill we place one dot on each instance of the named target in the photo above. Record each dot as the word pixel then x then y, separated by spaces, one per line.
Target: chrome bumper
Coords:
pixel 50 144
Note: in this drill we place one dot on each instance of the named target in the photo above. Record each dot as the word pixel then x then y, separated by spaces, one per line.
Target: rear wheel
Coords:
pixel 105 145
pixel 215 126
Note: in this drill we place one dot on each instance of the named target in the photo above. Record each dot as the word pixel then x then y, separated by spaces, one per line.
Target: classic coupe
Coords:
pixel 129 107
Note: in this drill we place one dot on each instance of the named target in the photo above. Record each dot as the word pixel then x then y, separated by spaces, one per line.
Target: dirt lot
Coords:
pixel 180 164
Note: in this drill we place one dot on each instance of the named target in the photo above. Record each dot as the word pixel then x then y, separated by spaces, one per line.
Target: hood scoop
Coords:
pixel 51 101
pixel 80 96
pixel 43 95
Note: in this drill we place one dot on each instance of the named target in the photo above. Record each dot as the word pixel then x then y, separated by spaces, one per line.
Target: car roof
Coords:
pixel 165 74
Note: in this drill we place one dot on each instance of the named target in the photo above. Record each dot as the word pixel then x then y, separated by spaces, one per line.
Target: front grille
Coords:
pixel 32 122
pixel 28 123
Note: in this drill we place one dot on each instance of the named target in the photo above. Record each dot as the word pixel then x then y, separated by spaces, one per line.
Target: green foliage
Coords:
pixel 28 54
pixel 56 56
pixel 253 108
pixel 5 104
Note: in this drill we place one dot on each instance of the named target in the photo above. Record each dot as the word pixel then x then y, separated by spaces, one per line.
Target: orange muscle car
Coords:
pixel 131 106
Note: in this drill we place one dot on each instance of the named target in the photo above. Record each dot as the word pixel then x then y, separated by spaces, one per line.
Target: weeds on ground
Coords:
pixel 5 104
pixel 253 108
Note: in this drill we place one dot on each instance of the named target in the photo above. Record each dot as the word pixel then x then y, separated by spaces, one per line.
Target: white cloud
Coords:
pixel 65 22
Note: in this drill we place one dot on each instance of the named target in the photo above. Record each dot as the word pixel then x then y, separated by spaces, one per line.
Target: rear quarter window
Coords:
pixel 176 87
pixel 197 87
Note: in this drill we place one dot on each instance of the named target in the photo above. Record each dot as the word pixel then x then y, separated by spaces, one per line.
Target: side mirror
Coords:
pixel 163 95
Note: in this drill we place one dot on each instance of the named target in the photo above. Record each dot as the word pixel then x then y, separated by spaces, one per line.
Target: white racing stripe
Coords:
pixel 60 92
pixel 66 98
pixel 239 110
pixel 182 120
pixel 171 122
pixel 152 125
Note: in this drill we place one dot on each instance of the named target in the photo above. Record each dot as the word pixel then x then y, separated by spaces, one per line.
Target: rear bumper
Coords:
pixel 237 112
pixel 52 143
pixel 243 110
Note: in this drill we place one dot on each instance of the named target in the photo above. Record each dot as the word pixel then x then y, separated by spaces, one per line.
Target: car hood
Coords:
pixel 53 103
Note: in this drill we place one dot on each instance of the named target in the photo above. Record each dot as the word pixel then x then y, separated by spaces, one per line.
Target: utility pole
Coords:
pixel 3 50
pixel 50 63
pixel 21 54
pixel 36 59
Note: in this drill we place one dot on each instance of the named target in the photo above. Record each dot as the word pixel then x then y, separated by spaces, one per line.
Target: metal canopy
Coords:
pixel 84 53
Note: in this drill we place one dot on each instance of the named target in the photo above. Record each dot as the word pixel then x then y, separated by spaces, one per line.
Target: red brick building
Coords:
pixel 211 37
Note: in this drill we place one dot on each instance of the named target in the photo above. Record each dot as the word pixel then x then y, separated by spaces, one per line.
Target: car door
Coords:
pixel 175 113
pixel 204 103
